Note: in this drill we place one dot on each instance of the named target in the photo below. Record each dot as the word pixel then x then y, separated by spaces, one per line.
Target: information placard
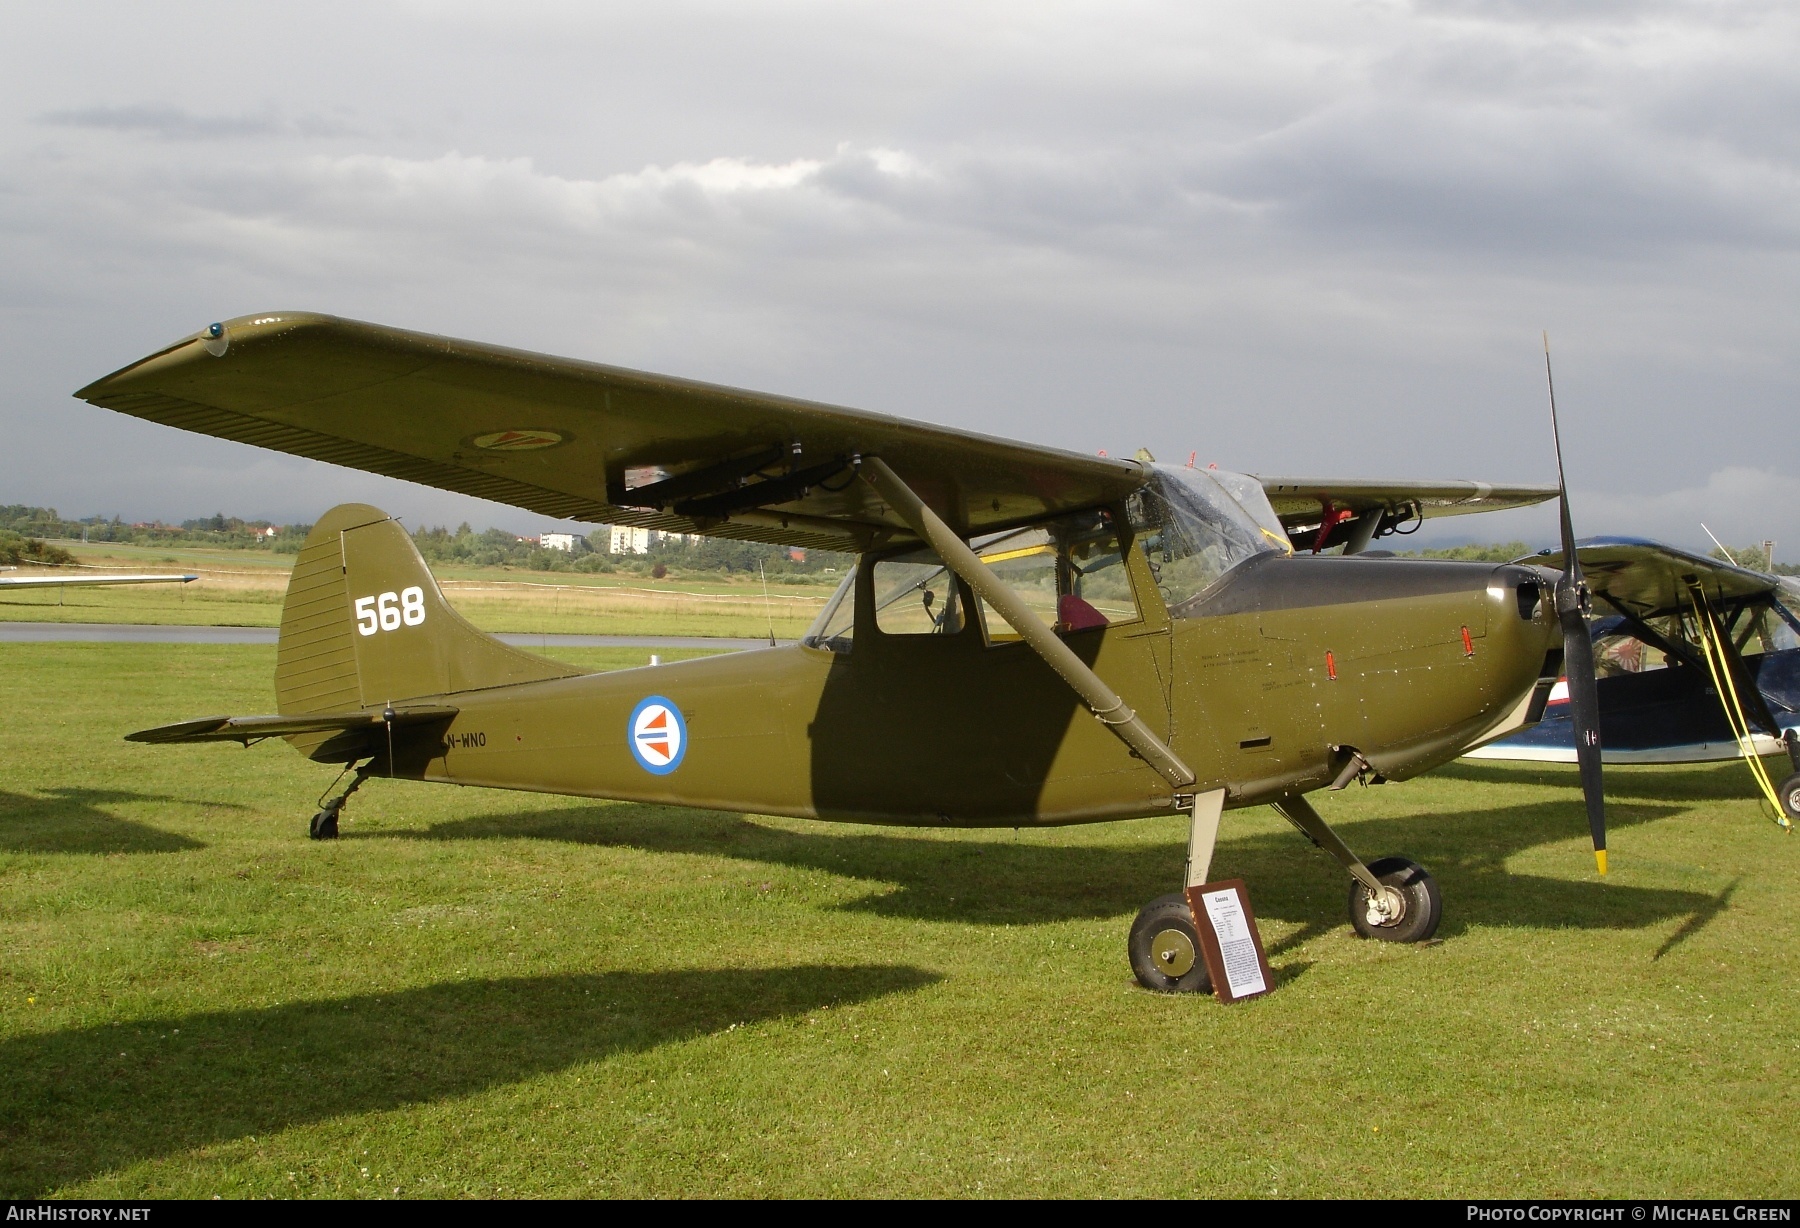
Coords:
pixel 1229 941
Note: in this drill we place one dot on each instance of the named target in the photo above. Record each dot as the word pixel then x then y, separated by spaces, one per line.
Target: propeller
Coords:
pixel 1572 603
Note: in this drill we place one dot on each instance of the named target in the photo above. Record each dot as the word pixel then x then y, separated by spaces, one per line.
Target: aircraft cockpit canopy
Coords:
pixel 1194 525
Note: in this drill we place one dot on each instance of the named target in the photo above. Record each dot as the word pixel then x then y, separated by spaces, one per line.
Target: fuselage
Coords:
pixel 1268 684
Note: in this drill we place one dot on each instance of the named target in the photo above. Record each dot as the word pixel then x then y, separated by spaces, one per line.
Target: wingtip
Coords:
pixel 1600 861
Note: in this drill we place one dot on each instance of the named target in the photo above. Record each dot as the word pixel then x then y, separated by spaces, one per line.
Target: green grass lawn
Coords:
pixel 492 993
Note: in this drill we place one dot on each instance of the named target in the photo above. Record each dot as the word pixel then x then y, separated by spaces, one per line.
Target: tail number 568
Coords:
pixel 390 611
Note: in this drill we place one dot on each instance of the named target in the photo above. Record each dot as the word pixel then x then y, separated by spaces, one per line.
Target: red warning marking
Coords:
pixel 1468 644
pixel 1330 665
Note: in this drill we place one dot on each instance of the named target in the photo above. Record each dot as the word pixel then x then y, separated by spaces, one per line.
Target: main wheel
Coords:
pixel 1789 793
pixel 1420 905
pixel 1165 950
pixel 324 825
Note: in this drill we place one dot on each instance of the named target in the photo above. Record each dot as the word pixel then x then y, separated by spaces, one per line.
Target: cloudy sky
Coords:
pixel 1306 237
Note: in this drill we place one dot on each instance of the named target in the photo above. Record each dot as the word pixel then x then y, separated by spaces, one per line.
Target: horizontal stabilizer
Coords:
pixel 248 729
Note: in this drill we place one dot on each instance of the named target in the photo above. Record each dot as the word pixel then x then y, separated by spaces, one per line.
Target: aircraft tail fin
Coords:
pixel 365 625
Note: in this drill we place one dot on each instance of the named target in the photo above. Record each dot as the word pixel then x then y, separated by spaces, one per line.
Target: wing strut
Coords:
pixel 1100 699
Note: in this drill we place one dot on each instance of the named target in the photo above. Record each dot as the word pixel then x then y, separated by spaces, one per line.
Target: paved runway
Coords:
pixel 134 633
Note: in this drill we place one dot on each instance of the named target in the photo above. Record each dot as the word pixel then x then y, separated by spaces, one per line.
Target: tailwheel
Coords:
pixel 1165 950
pixel 1408 909
pixel 1789 795
pixel 325 823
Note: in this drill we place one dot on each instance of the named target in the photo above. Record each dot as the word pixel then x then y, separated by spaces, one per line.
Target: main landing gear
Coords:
pixel 1789 793
pixel 1392 899
pixel 324 824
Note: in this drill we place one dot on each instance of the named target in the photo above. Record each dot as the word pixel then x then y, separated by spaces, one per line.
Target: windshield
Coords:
pixel 833 628
pixel 1194 525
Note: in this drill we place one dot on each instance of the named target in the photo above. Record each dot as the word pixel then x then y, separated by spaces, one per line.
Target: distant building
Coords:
pixel 558 541
pixel 628 539
pixel 796 554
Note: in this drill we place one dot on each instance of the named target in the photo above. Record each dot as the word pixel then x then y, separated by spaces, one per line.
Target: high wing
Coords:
pixel 582 441
pixel 66 581
pixel 1357 510
pixel 1647 579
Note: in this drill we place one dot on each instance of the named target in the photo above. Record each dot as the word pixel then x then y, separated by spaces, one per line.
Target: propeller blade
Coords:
pixel 1572 603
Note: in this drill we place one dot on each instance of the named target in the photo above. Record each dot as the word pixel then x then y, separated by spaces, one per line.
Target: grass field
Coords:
pixel 237 588
pixel 491 993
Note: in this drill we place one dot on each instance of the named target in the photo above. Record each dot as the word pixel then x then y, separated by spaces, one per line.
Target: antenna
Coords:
pixel 768 609
pixel 1729 557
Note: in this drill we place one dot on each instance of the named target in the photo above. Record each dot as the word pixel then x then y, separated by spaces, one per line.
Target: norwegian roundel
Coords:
pixel 657 735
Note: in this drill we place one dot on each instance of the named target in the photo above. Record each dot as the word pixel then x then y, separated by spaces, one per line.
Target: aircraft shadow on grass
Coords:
pixel 1699 782
pixel 79 1103
pixel 1000 882
pixel 70 820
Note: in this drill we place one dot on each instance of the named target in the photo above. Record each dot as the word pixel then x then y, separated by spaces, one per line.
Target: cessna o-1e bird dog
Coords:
pixel 1000 590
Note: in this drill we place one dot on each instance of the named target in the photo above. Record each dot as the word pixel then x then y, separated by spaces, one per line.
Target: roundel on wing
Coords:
pixel 657 735
pixel 520 439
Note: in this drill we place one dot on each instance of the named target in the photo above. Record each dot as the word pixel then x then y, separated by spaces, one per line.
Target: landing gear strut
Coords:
pixel 1164 946
pixel 324 824
pixel 1393 899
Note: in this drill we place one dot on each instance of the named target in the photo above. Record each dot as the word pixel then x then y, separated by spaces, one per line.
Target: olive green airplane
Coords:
pixel 1030 636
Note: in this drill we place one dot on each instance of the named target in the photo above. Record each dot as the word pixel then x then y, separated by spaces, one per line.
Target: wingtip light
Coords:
pixel 1600 861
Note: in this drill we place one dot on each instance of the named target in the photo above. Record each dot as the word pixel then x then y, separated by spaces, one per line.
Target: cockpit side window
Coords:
pixel 1192 531
pixel 1069 571
pixel 915 594
pixel 1761 629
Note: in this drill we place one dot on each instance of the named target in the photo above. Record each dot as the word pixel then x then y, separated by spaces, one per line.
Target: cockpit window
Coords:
pixel 1761 629
pixel 1193 527
pixel 915 594
pixel 1070 571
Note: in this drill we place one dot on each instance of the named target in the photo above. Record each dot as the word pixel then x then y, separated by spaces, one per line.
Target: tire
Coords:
pixel 1789 793
pixel 324 825
pixel 1165 950
pixel 1424 907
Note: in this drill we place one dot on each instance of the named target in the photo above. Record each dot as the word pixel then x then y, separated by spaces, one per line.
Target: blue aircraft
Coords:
pixel 1695 660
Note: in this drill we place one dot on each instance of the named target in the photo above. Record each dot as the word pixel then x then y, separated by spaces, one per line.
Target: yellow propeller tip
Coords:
pixel 1600 860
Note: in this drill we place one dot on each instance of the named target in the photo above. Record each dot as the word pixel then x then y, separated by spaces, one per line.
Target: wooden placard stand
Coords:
pixel 1229 941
